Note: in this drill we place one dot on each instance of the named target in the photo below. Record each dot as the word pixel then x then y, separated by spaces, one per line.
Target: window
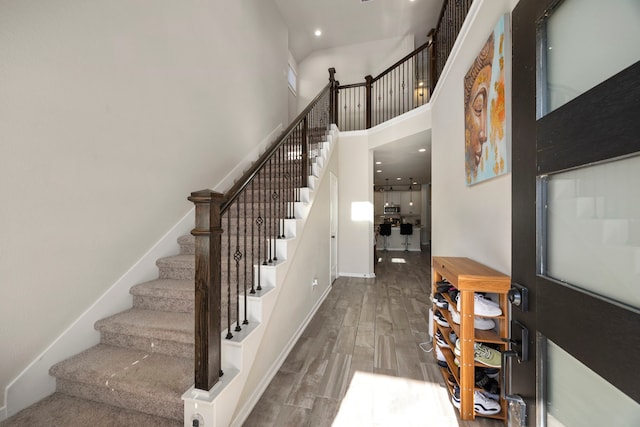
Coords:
pixel 292 79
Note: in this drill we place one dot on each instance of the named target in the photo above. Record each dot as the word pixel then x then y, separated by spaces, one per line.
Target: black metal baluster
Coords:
pixel 274 206
pixel 229 334
pixel 283 189
pixel 253 241
pixel 245 214
pixel 267 200
pixel 237 256
pixel 297 165
pixel 263 192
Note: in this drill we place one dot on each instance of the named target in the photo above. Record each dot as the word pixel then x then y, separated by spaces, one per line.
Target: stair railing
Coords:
pixel 408 83
pixel 237 232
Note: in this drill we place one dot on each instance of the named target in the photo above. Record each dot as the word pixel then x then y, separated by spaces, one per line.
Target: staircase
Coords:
pixel 144 362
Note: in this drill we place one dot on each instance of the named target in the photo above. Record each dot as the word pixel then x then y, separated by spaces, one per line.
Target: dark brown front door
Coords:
pixel 559 149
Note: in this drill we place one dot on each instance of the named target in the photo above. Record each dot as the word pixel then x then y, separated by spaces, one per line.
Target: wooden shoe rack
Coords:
pixel 468 277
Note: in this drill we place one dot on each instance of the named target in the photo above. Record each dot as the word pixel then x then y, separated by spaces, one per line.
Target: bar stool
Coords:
pixel 385 231
pixel 406 230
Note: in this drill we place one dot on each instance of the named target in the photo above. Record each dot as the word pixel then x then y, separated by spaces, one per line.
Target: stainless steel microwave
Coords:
pixel 391 209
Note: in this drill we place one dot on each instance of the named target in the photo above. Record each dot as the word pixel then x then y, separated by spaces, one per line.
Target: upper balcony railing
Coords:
pixel 405 85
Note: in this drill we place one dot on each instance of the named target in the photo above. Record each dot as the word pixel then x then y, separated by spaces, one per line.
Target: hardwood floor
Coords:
pixel 359 362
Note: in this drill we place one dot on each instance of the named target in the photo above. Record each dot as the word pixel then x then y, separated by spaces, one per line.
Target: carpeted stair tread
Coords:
pixel 61 410
pixel 166 288
pixel 148 382
pixel 150 323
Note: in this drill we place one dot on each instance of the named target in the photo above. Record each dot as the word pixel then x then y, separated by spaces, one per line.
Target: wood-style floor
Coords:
pixel 359 362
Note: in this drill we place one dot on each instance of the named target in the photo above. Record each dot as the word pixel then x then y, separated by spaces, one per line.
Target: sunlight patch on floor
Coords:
pixel 381 401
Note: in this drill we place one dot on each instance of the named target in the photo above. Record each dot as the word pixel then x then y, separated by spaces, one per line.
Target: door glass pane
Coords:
pixel 588 41
pixel 593 229
pixel 577 396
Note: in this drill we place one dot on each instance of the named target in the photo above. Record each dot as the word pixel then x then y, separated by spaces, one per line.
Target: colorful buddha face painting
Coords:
pixel 485 121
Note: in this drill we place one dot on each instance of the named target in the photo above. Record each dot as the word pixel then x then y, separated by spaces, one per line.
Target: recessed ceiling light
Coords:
pixel 399 178
pixel 422 150
pixel 318 33
pixel 415 182
pixel 378 163
pixel 379 170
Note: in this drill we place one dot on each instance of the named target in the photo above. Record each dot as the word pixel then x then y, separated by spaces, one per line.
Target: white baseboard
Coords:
pixel 246 409
pixel 3 413
pixel 361 275
pixel 34 382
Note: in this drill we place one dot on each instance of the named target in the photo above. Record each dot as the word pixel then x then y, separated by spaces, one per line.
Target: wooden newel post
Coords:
pixel 333 96
pixel 431 60
pixel 305 152
pixel 207 232
pixel 368 107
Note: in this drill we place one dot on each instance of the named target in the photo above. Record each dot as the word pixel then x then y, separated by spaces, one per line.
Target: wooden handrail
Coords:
pixel 248 176
pixel 405 58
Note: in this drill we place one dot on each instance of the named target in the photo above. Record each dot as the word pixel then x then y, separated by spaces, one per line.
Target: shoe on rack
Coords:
pixel 455 315
pixel 440 358
pixel 483 324
pixel 483 354
pixel 479 323
pixel 441 341
pixel 451 380
pixel 484 405
pixel 487 355
pixel 440 320
pixel 482 306
pixel 443 286
pixel 491 372
pixel 440 301
pixel 453 337
pixel 455 397
pixel 489 385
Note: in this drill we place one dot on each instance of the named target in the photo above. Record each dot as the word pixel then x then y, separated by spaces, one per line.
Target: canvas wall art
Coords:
pixel 485 108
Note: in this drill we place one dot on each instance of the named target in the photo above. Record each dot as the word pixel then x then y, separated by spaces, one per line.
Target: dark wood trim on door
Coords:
pixel 523 196
pixel 602 335
pixel 569 137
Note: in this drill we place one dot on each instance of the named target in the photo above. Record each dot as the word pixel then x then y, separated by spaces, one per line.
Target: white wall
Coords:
pixel 111 113
pixel 355 239
pixel 474 221
pixel 352 64
pixel 355 244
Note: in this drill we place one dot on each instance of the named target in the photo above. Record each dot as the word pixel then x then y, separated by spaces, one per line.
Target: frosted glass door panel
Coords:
pixel 588 41
pixel 593 229
pixel 578 397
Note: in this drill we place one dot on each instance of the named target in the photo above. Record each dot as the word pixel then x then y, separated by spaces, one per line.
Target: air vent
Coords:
pixel 366 1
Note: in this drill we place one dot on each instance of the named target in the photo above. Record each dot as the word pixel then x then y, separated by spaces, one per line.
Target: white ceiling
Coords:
pixel 401 159
pixel 346 22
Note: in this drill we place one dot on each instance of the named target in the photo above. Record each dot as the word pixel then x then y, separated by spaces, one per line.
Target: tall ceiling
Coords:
pixel 346 22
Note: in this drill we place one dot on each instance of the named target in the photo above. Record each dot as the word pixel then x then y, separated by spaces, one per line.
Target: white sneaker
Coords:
pixel 484 405
pixel 480 323
pixel 483 306
pixel 455 316
pixel 483 324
